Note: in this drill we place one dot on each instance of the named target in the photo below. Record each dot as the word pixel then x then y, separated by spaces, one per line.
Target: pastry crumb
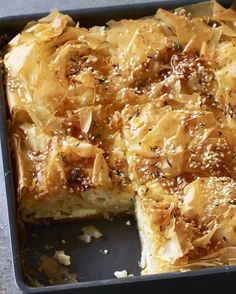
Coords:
pixel 128 223
pixel 55 272
pixel 62 258
pixel 104 251
pixel 92 231
pixel 89 232
pixel 121 274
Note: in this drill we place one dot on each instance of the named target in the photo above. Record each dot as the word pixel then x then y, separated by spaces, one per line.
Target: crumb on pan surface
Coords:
pixel 128 223
pixel 104 251
pixel 134 117
pixel 55 272
pixel 121 274
pixel 62 257
pixel 90 232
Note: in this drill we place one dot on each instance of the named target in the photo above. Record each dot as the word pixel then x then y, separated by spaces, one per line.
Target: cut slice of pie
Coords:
pixel 61 177
pixel 185 226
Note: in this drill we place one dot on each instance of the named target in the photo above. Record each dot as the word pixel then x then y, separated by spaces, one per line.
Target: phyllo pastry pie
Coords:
pixel 185 226
pixel 137 116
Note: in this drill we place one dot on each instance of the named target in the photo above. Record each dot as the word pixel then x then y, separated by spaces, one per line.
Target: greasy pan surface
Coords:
pixel 94 269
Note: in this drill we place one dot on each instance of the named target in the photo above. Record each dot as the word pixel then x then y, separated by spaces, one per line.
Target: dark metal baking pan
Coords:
pixel 94 269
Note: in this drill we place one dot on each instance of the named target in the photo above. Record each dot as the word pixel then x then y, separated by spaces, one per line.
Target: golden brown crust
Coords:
pixel 137 105
pixel 193 227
